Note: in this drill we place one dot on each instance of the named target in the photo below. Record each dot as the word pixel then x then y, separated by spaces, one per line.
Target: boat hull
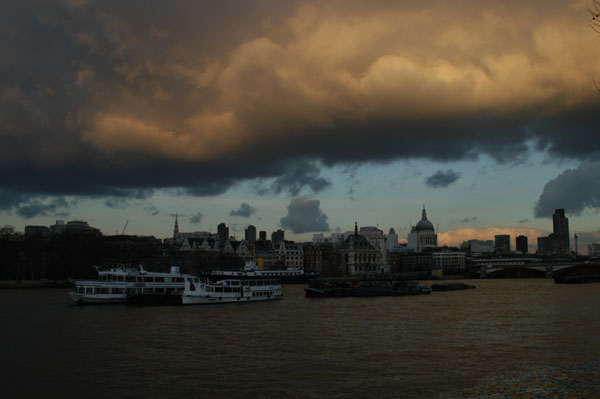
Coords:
pixel 155 299
pixel 367 291
pixel 208 300
pixel 97 299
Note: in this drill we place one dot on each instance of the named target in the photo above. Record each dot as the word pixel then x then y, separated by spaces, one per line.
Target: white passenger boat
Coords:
pixel 203 292
pixel 251 269
pixel 125 283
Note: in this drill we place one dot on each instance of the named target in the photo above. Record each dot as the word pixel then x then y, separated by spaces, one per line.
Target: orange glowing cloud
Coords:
pixel 456 237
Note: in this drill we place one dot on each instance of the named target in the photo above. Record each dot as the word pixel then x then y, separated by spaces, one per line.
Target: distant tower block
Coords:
pixel 522 244
pixel 559 239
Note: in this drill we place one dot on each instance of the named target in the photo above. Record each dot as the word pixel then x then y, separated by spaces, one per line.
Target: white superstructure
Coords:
pixel 204 292
pixel 252 270
pixel 119 283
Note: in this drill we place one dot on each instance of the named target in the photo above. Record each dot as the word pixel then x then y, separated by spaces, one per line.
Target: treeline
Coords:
pixel 67 256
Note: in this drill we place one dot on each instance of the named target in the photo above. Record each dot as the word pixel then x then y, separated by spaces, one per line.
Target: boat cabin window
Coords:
pixel 159 279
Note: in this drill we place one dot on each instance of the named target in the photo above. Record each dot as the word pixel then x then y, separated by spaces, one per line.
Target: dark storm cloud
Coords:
pixel 296 177
pixel 35 208
pixel 574 190
pixel 10 199
pixel 32 206
pixel 110 98
pixel 197 218
pixel 442 178
pixel 304 216
pixel 244 211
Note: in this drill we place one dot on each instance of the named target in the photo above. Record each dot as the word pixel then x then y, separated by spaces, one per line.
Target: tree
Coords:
pixel 9 233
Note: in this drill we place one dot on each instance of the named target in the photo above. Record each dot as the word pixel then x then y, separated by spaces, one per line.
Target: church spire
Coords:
pixel 355 229
pixel 176 228
pixel 424 216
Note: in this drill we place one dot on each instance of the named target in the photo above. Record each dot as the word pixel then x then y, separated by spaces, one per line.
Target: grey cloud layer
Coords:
pixel 245 211
pixel 116 98
pixel 442 178
pixel 305 216
pixel 574 190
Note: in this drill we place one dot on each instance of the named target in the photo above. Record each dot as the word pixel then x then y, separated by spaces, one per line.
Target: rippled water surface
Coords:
pixel 504 339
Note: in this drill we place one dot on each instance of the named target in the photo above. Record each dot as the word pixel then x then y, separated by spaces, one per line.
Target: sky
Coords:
pixel 304 116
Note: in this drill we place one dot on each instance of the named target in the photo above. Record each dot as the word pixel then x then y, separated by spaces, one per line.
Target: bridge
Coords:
pixel 519 268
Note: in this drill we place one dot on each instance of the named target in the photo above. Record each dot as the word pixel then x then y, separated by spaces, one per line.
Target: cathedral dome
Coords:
pixel 424 224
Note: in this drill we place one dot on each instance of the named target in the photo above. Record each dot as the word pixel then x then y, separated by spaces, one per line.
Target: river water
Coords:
pixel 505 339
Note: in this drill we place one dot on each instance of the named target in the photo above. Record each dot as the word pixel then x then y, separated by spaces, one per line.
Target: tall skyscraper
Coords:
pixel 223 232
pixel 502 243
pixel 262 235
pixel 250 234
pixel 543 246
pixel 559 239
pixel 277 237
pixel 521 242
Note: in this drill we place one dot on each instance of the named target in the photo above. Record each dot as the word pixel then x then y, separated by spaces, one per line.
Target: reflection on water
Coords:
pixel 580 380
pixel 506 338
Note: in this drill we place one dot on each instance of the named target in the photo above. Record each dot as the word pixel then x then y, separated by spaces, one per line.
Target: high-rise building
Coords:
pixel 250 234
pixel 521 242
pixel 277 237
pixel 560 223
pixel 543 246
pixel 262 235
pixel 559 239
pixel 502 243
pixel 223 232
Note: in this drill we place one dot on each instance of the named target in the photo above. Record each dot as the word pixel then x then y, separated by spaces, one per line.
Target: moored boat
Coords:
pixel 291 275
pixel 203 291
pixel 128 284
pixel 320 288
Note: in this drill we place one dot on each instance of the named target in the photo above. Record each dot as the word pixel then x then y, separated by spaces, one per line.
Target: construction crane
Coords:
pixel 124 227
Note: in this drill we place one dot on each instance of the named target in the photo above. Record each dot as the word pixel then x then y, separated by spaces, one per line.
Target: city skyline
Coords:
pixel 303 116
pixel 484 237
